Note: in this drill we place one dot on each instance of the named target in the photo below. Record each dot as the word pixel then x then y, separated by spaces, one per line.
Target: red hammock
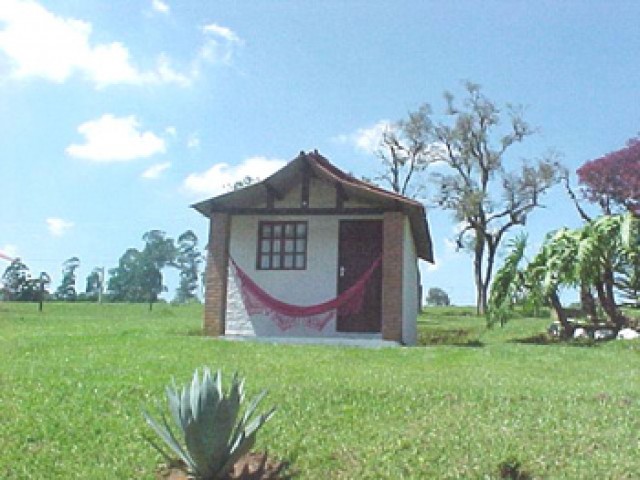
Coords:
pixel 285 315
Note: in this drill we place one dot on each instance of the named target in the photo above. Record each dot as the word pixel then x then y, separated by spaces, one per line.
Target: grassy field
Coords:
pixel 74 379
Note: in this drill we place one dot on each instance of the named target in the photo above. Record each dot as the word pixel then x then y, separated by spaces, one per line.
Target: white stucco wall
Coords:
pixel 409 288
pixel 316 284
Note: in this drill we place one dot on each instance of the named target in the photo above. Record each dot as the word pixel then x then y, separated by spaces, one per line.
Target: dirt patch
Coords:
pixel 253 466
pixel 456 337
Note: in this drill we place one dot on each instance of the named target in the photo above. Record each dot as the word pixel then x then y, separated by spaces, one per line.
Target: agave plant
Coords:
pixel 212 438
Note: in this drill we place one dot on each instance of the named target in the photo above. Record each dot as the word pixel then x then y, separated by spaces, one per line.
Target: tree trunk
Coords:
pixel 608 300
pixel 588 303
pixel 481 288
pixel 567 328
pixel 41 295
pixel 486 281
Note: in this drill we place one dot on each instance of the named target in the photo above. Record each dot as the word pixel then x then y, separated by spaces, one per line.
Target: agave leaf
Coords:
pixel 259 421
pixel 195 395
pixel 249 411
pixel 165 433
pixel 173 399
pixel 223 418
pixel 167 458
pixel 205 387
pixel 241 388
pixel 251 408
pixel 203 437
pixel 185 407
pixel 244 440
pixel 198 451
pixel 202 426
pixel 218 381
pixel 211 389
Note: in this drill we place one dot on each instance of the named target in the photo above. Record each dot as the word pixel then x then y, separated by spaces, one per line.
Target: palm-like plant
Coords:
pixel 213 439
pixel 506 285
pixel 586 257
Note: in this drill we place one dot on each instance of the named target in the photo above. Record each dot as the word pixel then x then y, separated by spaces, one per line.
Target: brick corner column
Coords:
pixel 393 244
pixel 215 297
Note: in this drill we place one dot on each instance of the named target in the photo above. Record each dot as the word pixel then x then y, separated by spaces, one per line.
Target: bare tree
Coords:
pixel 487 199
pixel 406 150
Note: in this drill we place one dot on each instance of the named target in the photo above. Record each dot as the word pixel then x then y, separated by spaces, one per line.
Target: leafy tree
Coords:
pixel 437 297
pixel 188 261
pixel 20 286
pixel 485 197
pixel 14 280
pixel 124 284
pixel 150 280
pixel 613 181
pixel 94 283
pixel 159 251
pixel 138 276
pixel 37 288
pixel 239 184
pixel 67 289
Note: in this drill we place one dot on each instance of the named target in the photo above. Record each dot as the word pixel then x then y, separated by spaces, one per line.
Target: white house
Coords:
pixel 312 251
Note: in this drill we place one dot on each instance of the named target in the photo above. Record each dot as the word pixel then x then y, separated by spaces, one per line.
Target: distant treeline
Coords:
pixel 137 278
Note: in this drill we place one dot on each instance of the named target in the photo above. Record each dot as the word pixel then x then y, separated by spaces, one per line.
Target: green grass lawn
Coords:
pixel 74 378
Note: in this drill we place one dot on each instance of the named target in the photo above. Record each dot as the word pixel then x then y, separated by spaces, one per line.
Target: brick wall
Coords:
pixel 393 235
pixel 215 303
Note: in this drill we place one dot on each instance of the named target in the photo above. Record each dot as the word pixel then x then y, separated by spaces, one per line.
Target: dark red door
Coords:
pixel 360 244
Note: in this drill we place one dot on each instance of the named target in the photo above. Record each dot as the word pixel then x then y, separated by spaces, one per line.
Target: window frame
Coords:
pixel 280 253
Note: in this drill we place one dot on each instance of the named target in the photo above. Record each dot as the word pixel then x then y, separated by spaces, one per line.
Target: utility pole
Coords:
pixel 41 295
pixel 101 282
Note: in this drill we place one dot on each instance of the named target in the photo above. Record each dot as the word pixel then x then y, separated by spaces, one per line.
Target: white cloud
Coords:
pixel 171 131
pixel 220 45
pixel 222 32
pixel 154 171
pixel 193 141
pixel 367 140
pixel 113 139
pixel 160 6
pixel 57 226
pixel 40 44
pixel 215 180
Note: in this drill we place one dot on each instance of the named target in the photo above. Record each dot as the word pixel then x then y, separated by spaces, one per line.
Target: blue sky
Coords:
pixel 116 115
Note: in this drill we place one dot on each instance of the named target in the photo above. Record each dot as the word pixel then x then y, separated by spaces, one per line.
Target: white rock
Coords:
pixel 628 334
pixel 604 334
pixel 580 333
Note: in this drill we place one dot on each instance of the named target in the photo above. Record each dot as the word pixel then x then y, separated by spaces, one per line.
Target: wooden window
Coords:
pixel 282 246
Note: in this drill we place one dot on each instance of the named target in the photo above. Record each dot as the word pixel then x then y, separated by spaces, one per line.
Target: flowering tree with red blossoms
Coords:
pixel 613 181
